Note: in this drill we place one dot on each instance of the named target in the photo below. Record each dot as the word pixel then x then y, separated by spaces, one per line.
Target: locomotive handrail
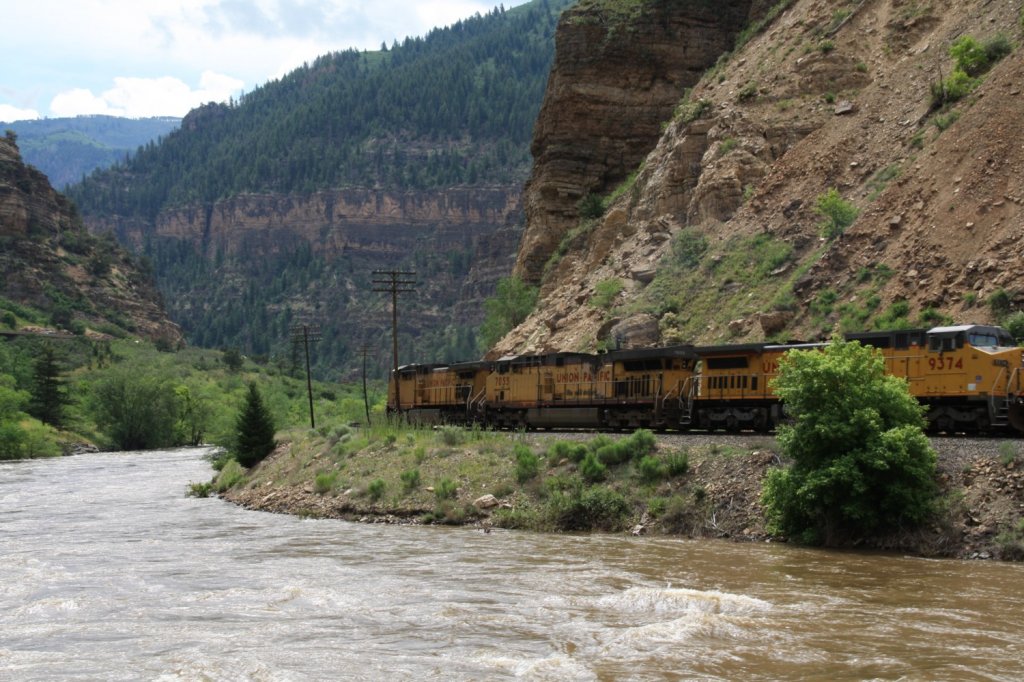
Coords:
pixel 995 383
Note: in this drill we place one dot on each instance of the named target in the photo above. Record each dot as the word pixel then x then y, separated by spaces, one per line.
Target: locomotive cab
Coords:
pixel 966 375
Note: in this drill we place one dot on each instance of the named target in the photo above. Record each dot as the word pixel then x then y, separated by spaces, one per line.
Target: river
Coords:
pixel 109 572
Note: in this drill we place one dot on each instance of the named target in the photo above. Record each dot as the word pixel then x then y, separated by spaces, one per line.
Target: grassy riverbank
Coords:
pixel 695 485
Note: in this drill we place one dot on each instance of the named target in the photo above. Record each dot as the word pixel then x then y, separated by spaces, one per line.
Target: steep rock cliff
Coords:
pixel 719 237
pixel 49 261
pixel 618 75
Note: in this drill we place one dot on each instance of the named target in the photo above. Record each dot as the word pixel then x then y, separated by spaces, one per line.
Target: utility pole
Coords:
pixel 365 350
pixel 307 333
pixel 396 282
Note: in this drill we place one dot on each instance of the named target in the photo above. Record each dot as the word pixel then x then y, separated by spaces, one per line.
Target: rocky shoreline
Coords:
pixel 981 484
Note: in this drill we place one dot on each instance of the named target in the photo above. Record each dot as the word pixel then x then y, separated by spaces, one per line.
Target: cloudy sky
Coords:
pixel 141 58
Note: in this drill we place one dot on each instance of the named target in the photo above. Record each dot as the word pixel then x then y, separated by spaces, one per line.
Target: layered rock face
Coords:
pixel 728 201
pixel 49 261
pixel 361 220
pixel 239 271
pixel 616 80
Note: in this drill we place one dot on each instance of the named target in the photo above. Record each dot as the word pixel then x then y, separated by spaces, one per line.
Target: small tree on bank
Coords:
pixel 254 430
pixel 861 462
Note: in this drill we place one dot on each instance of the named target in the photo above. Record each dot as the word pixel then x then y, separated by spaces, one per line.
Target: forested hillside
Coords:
pixel 68 149
pixel 276 208
pixel 454 107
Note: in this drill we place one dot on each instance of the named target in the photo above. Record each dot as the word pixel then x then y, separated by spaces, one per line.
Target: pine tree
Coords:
pixel 254 430
pixel 48 397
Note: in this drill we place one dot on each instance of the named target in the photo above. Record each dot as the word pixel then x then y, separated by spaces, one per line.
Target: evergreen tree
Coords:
pixel 48 396
pixel 254 430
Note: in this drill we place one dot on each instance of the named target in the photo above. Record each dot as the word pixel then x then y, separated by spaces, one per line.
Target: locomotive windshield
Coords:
pixel 990 338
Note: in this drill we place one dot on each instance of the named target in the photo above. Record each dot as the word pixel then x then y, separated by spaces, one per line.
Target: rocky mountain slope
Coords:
pixel 49 263
pixel 718 236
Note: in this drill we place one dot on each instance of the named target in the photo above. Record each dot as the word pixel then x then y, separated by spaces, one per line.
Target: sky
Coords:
pixel 140 58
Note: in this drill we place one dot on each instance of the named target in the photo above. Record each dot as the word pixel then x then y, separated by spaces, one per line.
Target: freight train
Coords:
pixel 969 377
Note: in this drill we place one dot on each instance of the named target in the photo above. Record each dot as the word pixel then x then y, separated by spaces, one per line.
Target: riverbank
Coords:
pixel 698 486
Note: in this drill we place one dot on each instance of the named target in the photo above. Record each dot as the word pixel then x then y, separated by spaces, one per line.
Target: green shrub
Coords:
pixel 1015 325
pixel 969 55
pixel 678 463
pixel 324 482
pixel 999 303
pixel 1010 542
pixel 656 506
pixel 688 112
pixel 826 46
pixel 861 462
pixel 997 47
pixel 1008 453
pixel 410 479
pixel 747 93
pixel 952 89
pixel 452 435
pixel 563 449
pixel 596 508
pixel 642 442
pixel 199 490
pixel 447 489
pixel 837 213
pixel 527 463
pixel 229 476
pixel 613 454
pixel 592 469
pixel 449 513
pixel 605 293
pixel 376 488
pixel 650 469
pixel 688 247
pixel 591 206
pixel 727 145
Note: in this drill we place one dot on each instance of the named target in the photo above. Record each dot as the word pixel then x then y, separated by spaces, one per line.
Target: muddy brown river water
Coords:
pixel 108 572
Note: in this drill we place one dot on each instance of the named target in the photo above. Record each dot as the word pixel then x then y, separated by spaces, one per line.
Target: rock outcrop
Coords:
pixel 49 261
pixel 617 77
pixel 822 98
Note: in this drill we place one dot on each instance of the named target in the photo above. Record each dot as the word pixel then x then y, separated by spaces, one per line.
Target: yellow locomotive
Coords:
pixel 970 377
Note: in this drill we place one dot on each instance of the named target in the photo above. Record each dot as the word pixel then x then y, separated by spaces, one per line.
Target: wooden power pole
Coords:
pixel 307 333
pixel 396 282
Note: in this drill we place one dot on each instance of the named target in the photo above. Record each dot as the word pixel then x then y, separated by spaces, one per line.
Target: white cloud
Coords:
pixel 9 114
pixel 76 48
pixel 142 97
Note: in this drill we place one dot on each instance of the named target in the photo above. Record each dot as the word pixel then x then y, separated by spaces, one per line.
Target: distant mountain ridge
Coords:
pixel 68 149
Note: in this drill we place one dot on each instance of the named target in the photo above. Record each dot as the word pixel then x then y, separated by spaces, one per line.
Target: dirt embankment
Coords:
pixel 981 481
